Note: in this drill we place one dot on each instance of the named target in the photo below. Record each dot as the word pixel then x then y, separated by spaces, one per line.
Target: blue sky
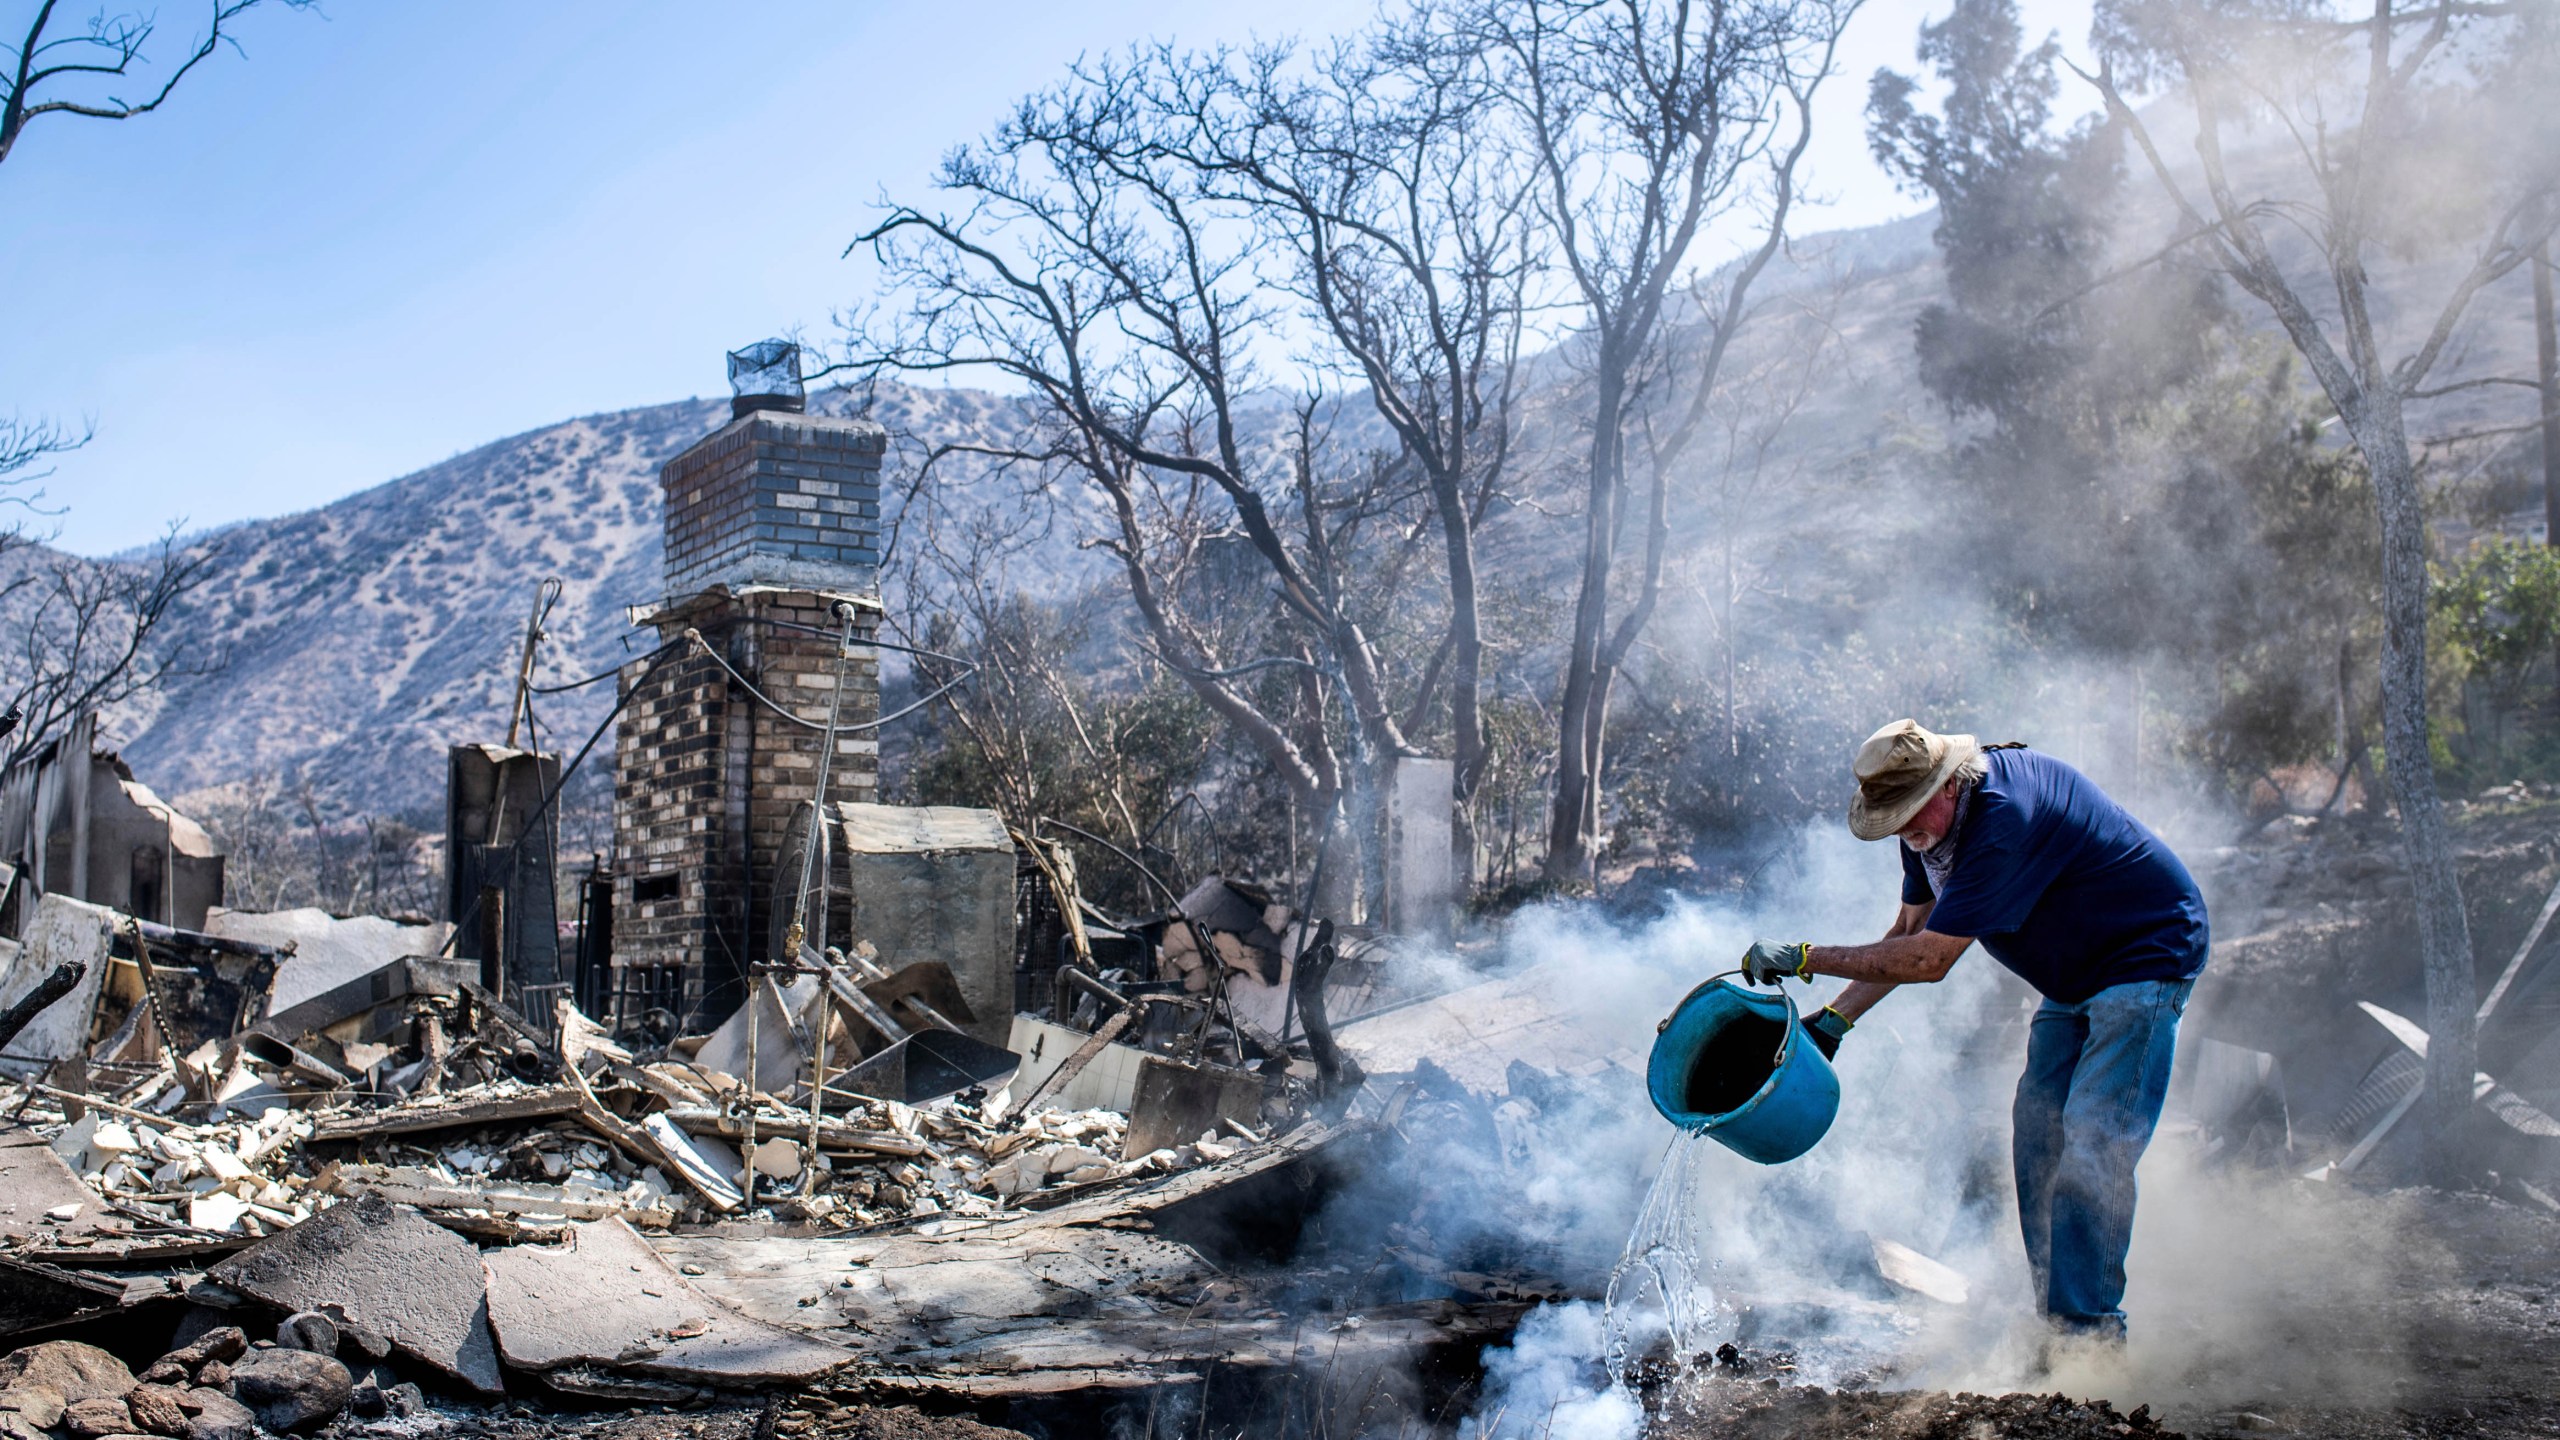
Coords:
pixel 396 231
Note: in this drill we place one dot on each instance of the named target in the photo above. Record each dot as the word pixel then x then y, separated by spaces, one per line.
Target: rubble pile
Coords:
pixel 219 1386
pixel 423 1191
pixel 876 1161
pixel 240 1176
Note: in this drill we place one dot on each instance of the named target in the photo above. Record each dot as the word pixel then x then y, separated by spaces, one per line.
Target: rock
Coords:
pixel 37 1405
pixel 222 1342
pixel 98 1415
pixel 308 1330
pixel 366 1401
pixel 155 1408
pixel 372 1397
pixel 213 1347
pixel 72 1371
pixel 219 1417
pixel 376 1346
pixel 291 1389
pixel 214 1375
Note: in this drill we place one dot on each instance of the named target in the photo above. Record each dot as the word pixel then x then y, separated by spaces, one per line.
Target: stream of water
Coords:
pixel 1660 1277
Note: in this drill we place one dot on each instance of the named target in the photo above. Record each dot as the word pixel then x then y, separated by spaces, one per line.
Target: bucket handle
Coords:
pixel 1700 988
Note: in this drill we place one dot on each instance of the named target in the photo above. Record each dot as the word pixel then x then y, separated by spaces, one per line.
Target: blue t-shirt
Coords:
pixel 2062 886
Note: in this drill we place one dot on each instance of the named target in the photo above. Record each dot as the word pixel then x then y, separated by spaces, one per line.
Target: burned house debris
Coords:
pixel 860 1097
pixel 75 821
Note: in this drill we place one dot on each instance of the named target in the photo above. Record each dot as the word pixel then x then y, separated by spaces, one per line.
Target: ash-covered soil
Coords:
pixel 2452 1329
pixel 781 1418
pixel 1801 1411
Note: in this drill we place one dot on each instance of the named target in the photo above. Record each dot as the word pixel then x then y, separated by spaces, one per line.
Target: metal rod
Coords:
pixel 817 1090
pixel 747 1177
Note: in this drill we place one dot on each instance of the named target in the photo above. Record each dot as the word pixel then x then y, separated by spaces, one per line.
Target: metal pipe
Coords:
pixel 1093 985
pixel 755 1002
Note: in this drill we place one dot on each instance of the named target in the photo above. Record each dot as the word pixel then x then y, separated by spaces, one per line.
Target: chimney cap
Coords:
pixel 765 376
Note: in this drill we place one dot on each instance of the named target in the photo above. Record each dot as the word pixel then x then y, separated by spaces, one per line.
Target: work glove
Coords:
pixel 1769 961
pixel 1826 1028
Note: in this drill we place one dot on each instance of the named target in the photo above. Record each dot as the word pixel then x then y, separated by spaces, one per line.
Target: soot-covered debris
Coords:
pixel 1773 1412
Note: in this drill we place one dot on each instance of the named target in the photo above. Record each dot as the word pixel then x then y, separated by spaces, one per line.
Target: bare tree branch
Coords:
pixel 110 50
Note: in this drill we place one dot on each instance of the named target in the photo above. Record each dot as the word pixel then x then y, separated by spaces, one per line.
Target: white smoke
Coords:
pixel 1918 1158
pixel 1551 1383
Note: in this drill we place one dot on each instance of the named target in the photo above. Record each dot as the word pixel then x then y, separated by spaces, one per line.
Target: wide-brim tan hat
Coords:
pixel 1899 768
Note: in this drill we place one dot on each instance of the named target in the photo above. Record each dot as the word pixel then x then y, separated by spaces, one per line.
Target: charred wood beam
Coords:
pixel 64 979
pixel 177 939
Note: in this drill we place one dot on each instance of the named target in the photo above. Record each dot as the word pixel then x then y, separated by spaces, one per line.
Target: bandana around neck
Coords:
pixel 1939 860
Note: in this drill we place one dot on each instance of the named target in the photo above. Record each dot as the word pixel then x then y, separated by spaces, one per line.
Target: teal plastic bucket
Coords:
pixel 1733 1063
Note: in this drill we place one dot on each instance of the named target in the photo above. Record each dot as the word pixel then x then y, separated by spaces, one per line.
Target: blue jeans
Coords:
pixel 2097 1073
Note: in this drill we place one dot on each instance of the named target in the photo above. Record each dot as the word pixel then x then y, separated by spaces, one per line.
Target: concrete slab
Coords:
pixel 327 952
pixel 605 1298
pixel 34 1184
pixel 386 1269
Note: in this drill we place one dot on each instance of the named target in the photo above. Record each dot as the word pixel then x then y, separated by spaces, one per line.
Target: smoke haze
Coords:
pixel 2245 1285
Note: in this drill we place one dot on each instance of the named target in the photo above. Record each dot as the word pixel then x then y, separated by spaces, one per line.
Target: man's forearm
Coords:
pixel 1858 997
pixel 1917 959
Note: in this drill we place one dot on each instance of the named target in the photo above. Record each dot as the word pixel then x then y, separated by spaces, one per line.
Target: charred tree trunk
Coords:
pixel 1573 825
pixel 2546 347
pixel 2426 841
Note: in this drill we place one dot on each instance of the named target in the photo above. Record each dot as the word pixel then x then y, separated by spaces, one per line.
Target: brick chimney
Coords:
pixel 771 520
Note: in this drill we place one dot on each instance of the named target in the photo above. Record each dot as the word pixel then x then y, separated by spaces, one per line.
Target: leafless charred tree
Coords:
pixel 1649 124
pixel 1045 749
pixel 2424 127
pixel 1413 244
pixel 86 635
pixel 285 845
pixel 1096 265
pixel 54 70
pixel 26 444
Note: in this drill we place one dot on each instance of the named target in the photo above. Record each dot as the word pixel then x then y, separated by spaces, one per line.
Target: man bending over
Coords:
pixel 2081 900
